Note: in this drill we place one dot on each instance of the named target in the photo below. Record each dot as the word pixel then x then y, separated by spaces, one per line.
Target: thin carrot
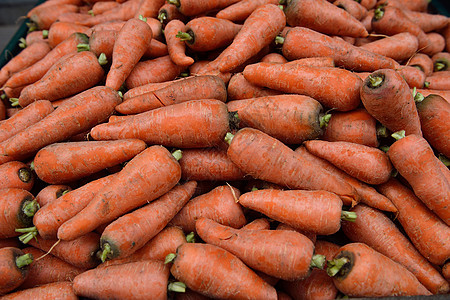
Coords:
pixel 194 7
pixel 360 271
pixel 429 234
pixel 240 88
pixel 123 12
pixel 428 22
pixel 423 62
pixel 47 291
pixel 240 11
pixel 13 268
pixel 43 17
pixel 103 6
pixel 51 192
pixel 323 16
pixel 16 174
pixel 66 162
pixel 399 47
pixel 215 272
pixel 414 159
pixel 354 8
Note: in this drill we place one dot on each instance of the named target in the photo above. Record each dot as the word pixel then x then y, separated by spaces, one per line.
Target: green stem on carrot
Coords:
pixel 23 43
pixel 418 97
pixel 178 287
pixel 438 66
pixel 174 2
pixel 190 238
pixel 31 26
pixel 24 260
pixel 254 189
pixel 335 265
pixel 25 174
pixel 324 120
pixel 32 166
pixel 106 251
pixel 382 131
pixel 426 84
pixel 281 7
pixel 375 80
pixel 169 258
pixel 229 137
pixel 29 208
pixel 184 36
pixel 162 16
pixel 348 216
pixel 45 34
pixel 3 96
pixel 318 261
pixel 14 102
pixel 26 230
pixel 29 234
pixel 142 18
pixel 91 12
pixel 384 148
pixel 444 159
pixel 83 47
pixel 177 154
pixel 378 13
pixel 102 60
pixel 120 94
pixel 398 134
pixel 279 40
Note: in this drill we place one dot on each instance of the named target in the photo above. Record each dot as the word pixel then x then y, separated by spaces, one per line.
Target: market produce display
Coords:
pixel 226 149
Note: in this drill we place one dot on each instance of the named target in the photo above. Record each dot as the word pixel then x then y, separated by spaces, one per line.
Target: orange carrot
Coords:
pixel 175 46
pixel 47 291
pixel 74 17
pixel 318 61
pixel 240 88
pixel 12 92
pixel 195 7
pixel 423 62
pixel 354 8
pixel 438 81
pixel 332 87
pixel 191 124
pixel 429 234
pixel 436 43
pixel 300 42
pixel 59 31
pixel 2 111
pixel 67 162
pixel 360 271
pixel 149 8
pixel 399 47
pixel 297 118
pixel 446 271
pixel 123 12
pixel 168 12
pixel 428 22
pixel 35 36
pixel 103 6
pixel 239 11
pixel 138 280
pixel 192 88
pixel 257 224
pixel 274 58
pixel 155 171
pixel 51 193
pixel 16 174
pixel 149 87
pixel 132 41
pixel 13 268
pixel 323 17
pixel 199 265
pixel 43 17
pixel 414 77
pixel 376 230
pixel 414 159
pixel 219 204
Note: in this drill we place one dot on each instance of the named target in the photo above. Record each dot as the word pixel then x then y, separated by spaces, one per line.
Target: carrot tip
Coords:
pixel 335 265
pixel 45 34
pixel 169 258
pixel 348 216
pixel 24 260
pixel 318 261
pixel 190 238
pixel 177 154
pixel 398 134
pixel 30 208
pixel 178 287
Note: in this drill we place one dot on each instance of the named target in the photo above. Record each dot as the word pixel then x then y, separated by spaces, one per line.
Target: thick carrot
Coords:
pixel 48 269
pixel 66 162
pixel 54 290
pixel 67 77
pixel 399 47
pixel 428 22
pixel 414 159
pixel 50 193
pixel 219 204
pixel 192 88
pixel 215 272
pixel 240 88
pixel 282 165
pixel 51 216
pixel 387 97
pixel 433 111
pixel 300 42
pixel 324 17
pixel 132 41
pixel 154 172
pixel 240 11
pixel 208 33
pixel 18 207
pixel 103 6
pixel 423 62
pixel 159 69
pixel 132 231
pixel 208 164
pixel 123 12
pixel 263 250
pixel 59 31
pixel 175 46
pixel 360 271
pixel 27 57
pixel 332 87
pixel 12 92
pixel 291 119
pixel 367 193
pixel 354 8
pixel 257 224
pixel 429 234
pixel 191 124
pixel 43 17
pixel 149 8
pixel 16 174
pixel 13 268
pixel 317 61
pixel 149 87
pixel 414 77
pixel 37 70
pixel 376 230
pixel 195 7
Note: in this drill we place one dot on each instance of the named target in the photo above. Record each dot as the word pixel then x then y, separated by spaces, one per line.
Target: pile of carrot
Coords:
pixel 228 149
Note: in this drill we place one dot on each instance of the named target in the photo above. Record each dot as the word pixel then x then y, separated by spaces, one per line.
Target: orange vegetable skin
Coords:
pixel 53 290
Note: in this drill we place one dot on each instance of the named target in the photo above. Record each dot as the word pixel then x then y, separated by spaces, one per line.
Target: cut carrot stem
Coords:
pixel 184 36
pixel 170 257
pixel 336 265
pixel 83 47
pixel 348 216
pixel 398 134
pixel 30 208
pixel 190 238
pixel 178 287
pixel 24 260
pixel 318 261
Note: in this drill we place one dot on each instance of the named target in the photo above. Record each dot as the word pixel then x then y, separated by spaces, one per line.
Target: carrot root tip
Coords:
pixel 24 260
pixel 178 287
pixel 318 261
pixel 335 265
pixel 398 134
pixel 348 216
pixel 169 258
pixel 190 238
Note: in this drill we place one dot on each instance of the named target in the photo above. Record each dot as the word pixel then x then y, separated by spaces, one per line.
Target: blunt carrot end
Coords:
pixel 184 36
pixel 398 134
pixel 178 287
pixel 24 260
pixel 348 216
pixel 318 261
pixel 169 258
pixel 375 81
pixel 102 60
pixel 228 137
pixel 178 154
pixel 25 174
pixel 45 34
pixel 174 2
pixel 336 266
pixel 190 238
pixel 14 102
pixel 82 47
pixel 30 208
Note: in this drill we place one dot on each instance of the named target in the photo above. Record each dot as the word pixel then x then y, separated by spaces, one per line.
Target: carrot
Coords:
pixel 67 162
pixel 59 31
pixel 123 12
pixel 47 291
pixel 51 193
pixel 318 61
pixel 446 34
pixel 149 87
pixel 298 117
pixel 423 62
pixel 37 70
pixel 27 57
pixel 201 123
pixel 400 46
pixel 194 7
pixel 428 233
pixel 132 231
pixel 240 88
pixel 360 271
pixel 323 17
pixel 48 269
pixel 414 77
pixel 155 171
pixel 2 111
pixel 35 36
pixel 13 268
pixel 332 87
pixel 138 281
pixel 436 44
pixel 159 69
pixel 65 78
pixel 191 295
pixel 74 17
pixel 389 241
pixel 239 11
pixel 414 159
pixel 208 164
pixel 26 117
pixel 192 88
pixel 43 17
pixel 257 224
pixel 433 110
pixel 16 174
pixel 12 92
pixel 446 271
pixel 243 242
pixel 378 93
pixel 208 33
pixel 48 219
pixel 103 6
pixel 259 29
pixel 438 81
pixel 274 58
pixel 301 42
pixel 215 272
pixel 428 22
pixel 132 41
pixel 441 61
pixel 168 12
pixel 18 207
pixel 353 8
pixel 149 8
pixel 218 204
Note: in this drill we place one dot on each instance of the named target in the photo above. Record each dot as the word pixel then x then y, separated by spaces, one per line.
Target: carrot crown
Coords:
pixel 190 238
pixel 341 265
pixel 318 261
pixel 440 65
pixel 24 260
pixel 174 2
pixel 378 13
pixel 178 287
pixel 28 234
pixel 25 174
pixel 186 36
pixel 45 34
pixel 398 135
pixel 170 258
pixel 162 16
pixel 375 80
